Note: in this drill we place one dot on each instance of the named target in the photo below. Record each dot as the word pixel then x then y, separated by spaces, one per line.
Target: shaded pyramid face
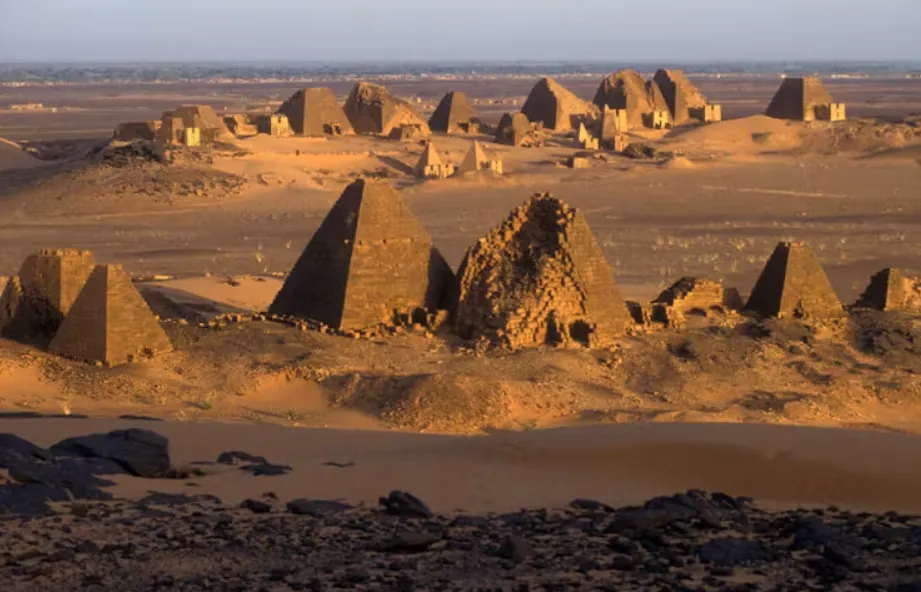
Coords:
pixel 680 94
pixel 793 285
pixel 797 98
pixel 539 278
pixel 454 109
pixel 890 290
pixel 557 107
pixel 369 258
pixel 315 112
pixel 475 159
pixel 110 322
pixel 429 158
pixel 47 286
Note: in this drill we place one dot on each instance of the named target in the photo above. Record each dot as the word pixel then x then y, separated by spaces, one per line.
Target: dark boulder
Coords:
pixel 141 453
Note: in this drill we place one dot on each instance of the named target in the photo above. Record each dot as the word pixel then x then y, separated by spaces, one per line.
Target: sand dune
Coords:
pixel 13 157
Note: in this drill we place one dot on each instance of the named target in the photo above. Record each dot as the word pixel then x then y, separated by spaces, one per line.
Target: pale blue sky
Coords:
pixel 427 30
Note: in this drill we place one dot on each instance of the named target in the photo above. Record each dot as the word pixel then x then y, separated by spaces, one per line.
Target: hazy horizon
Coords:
pixel 417 31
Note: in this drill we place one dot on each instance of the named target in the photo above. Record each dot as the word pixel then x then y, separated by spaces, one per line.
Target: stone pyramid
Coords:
pixel 36 301
pixel 679 93
pixel 369 259
pixel 371 109
pixel 315 112
pixel 556 106
pixel 627 90
pixel 203 117
pixel 431 165
pixel 891 289
pixel 454 111
pixel 110 322
pixel 475 159
pixel 793 285
pixel 797 98
pixel 516 130
pixel 539 278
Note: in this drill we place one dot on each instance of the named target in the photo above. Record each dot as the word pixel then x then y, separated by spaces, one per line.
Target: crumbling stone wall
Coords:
pixel 693 296
pixel 516 130
pixel 539 278
pixel 681 95
pixel 627 90
pixel 891 289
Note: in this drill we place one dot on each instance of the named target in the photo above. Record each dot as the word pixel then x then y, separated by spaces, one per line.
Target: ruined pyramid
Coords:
pixel 454 114
pixel 793 285
pixel 803 99
pixel 516 130
pixel 890 289
pixel 556 106
pixel 369 260
pixel 477 160
pixel 314 112
pixel 35 302
pixel 203 117
pixel 539 278
pixel 680 94
pixel 627 90
pixel 110 322
pixel 371 109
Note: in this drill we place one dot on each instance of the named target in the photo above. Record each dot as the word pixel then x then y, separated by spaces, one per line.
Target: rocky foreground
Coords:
pixel 62 529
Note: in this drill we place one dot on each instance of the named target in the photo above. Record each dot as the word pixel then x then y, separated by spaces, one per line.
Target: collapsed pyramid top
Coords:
pixel 516 130
pixel 626 89
pixel 369 258
pixel 454 110
pixel 557 107
pixel 202 117
pixel 793 285
pixel 109 322
pixel 539 278
pixel 36 301
pixel 371 109
pixel 680 94
pixel 315 112
pixel 891 289
pixel 798 98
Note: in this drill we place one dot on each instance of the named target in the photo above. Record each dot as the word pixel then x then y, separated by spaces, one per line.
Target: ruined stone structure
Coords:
pixel 109 322
pixel 454 114
pixel 201 116
pixel 539 278
pixel 658 120
pixel 627 90
pixel 556 107
pixel 191 136
pixel 431 166
pixel 578 162
pixel 708 113
pixel 36 301
pixel 680 94
pixel 136 130
pixel 276 125
pixel 315 112
pixel 478 160
pixel 693 296
pixel 240 125
pixel 371 109
pixel 370 260
pixel 409 132
pixel 804 99
pixel 516 130
pixel 613 123
pixel 793 285
pixel 891 290
pixel 170 131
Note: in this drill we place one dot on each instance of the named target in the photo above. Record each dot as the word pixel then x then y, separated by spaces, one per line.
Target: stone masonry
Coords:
pixel 794 285
pixel 891 290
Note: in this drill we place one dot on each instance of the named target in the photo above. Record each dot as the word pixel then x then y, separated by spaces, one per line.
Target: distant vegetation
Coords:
pixel 204 72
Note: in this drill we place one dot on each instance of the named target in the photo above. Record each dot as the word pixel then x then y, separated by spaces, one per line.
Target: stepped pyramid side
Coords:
pixel 539 278
pixel 110 322
pixel 315 112
pixel 793 285
pixel 48 284
pixel 369 258
pixel 453 110
pixel 558 108
pixel 371 109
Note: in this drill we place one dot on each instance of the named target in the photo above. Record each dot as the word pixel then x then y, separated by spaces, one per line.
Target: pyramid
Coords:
pixel 431 165
pixel 679 94
pixel 476 160
pixel 454 114
pixel 891 289
pixel 556 107
pixel 691 295
pixel 314 112
pixel 801 99
pixel 539 278
pixel 369 258
pixel 371 109
pixel 109 322
pixel 516 130
pixel 627 90
pixel 35 303
pixel 203 117
pixel 793 285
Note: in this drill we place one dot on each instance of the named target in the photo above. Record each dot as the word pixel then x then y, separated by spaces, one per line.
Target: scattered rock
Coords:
pixel 401 503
